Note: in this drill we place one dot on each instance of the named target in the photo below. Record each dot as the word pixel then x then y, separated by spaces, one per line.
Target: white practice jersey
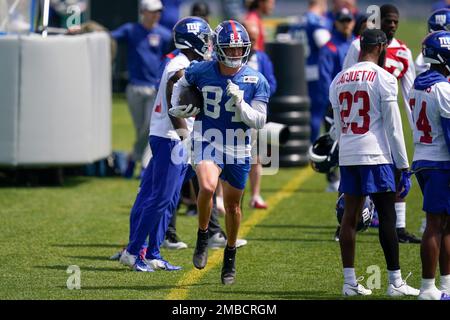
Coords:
pixel 366 116
pixel 399 63
pixel 160 124
pixel 428 107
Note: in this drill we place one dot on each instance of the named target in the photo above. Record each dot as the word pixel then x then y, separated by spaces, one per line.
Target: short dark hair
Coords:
pixel 388 9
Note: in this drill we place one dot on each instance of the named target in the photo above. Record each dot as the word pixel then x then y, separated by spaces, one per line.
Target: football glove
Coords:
pixel 235 93
pixel 184 111
pixel 405 184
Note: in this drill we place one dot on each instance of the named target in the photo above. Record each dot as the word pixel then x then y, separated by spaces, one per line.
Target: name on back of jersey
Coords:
pixel 357 76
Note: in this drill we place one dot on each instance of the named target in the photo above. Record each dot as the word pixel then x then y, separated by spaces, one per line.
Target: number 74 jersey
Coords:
pixel 362 97
pixel 428 106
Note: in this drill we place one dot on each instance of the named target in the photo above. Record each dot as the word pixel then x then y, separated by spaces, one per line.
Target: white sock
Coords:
pixel 349 276
pixel 445 283
pixel 429 291
pixel 428 284
pixel 400 210
pixel 395 277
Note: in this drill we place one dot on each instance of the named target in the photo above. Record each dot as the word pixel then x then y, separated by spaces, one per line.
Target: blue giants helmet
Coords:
pixel 439 20
pixel 231 34
pixel 436 48
pixel 193 33
pixel 366 216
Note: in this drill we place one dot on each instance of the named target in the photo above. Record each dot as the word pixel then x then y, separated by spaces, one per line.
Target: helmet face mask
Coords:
pixel 193 33
pixel 231 34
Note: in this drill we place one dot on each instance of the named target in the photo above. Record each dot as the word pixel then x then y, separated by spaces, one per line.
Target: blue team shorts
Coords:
pixel 234 171
pixel 366 179
pixel 435 186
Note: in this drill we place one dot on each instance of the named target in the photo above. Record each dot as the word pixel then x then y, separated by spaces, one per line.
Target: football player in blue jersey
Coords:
pixel 235 100
pixel 313 31
pixel 160 186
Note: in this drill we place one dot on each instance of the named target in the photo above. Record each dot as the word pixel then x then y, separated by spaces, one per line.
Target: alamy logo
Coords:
pixel 441 19
pixel 73 22
pixel 445 42
pixel 74 280
pixel 193 27
pixel 373 17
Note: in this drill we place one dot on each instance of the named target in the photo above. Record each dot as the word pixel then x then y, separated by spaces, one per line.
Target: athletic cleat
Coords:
pixel 172 242
pixel 228 274
pixel 403 290
pixel 349 290
pixel 336 234
pixel 444 290
pixel 116 256
pixel 141 266
pixel 161 264
pixel 258 203
pixel 445 296
pixel 200 257
pixel 218 241
pixel 127 258
pixel 405 237
pixel 433 295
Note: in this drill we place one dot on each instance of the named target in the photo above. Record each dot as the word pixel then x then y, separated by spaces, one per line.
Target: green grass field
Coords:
pixel 290 254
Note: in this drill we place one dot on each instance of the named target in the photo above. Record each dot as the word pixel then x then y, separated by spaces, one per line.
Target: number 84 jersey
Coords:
pixel 430 102
pixel 364 101
pixel 219 111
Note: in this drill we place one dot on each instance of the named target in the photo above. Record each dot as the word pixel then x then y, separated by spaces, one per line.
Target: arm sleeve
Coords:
pixel 393 127
pixel 352 56
pixel 407 83
pixel 337 124
pixel 388 87
pixel 255 115
pixel 177 88
pixel 321 37
pixel 121 33
pixel 336 112
pixel 262 90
